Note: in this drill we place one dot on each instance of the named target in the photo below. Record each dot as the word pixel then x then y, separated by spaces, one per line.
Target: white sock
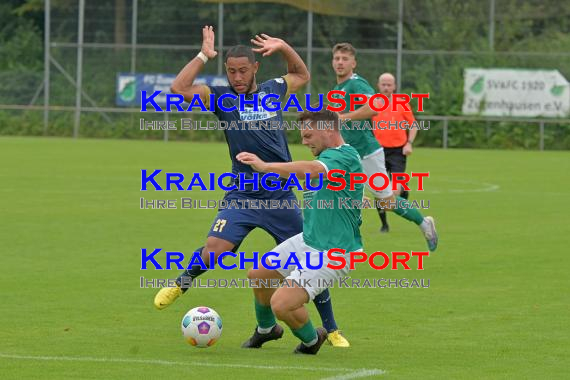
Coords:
pixel 312 342
pixel 424 225
pixel 264 330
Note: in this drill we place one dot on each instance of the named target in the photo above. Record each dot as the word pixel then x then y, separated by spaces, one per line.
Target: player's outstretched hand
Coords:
pixel 208 41
pixel 267 45
pixel 251 159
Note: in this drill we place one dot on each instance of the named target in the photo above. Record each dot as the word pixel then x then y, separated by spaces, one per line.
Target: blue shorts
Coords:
pixel 234 224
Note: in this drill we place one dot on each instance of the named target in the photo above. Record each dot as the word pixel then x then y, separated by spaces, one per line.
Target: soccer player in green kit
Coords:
pixel 323 230
pixel 371 153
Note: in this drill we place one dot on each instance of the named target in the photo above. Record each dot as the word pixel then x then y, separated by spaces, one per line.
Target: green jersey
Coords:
pixel 362 140
pixel 338 225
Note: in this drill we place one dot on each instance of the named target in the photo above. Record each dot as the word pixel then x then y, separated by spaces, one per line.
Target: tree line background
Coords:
pixel 441 38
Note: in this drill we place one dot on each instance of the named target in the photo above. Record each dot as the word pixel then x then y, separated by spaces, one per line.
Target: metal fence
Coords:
pixel 87 42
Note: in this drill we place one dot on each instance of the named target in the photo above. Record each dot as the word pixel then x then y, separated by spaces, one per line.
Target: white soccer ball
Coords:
pixel 202 326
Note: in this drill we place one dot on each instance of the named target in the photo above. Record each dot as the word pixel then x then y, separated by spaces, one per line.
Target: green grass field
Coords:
pixel 71 233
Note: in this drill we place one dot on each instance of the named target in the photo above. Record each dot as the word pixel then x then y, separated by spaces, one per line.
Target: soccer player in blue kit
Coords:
pixel 232 225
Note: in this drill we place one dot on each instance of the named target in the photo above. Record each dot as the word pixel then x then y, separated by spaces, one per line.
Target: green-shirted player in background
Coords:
pixel 363 140
pixel 323 229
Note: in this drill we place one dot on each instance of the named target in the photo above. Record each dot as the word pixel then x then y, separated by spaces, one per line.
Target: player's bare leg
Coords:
pixel 166 296
pixel 267 328
pixel 288 305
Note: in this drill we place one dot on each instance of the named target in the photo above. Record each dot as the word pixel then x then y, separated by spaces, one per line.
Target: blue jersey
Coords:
pixel 248 136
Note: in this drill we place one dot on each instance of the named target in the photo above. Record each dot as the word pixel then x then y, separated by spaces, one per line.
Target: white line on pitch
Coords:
pixel 357 374
pixel 186 364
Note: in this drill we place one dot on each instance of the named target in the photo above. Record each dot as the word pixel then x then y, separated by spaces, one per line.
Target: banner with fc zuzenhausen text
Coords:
pixel 516 92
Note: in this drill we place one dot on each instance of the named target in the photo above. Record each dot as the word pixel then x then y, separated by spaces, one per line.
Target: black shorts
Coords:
pixel 395 160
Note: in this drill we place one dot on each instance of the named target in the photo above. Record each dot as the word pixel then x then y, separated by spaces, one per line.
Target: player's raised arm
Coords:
pixel 284 169
pixel 184 82
pixel 297 73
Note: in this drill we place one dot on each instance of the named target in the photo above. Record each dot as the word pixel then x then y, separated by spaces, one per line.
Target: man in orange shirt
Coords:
pixel 397 138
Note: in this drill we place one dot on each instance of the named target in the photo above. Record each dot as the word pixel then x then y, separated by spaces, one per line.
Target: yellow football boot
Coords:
pixel 336 339
pixel 166 297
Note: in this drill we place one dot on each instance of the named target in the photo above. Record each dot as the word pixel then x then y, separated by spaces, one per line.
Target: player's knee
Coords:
pixel 253 274
pixel 280 306
pixel 398 190
pixel 216 245
pixel 208 248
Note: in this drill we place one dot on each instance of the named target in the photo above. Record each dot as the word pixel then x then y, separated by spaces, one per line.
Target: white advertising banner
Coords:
pixel 513 92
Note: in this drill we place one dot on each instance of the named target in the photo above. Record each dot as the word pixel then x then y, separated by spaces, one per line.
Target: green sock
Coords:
pixel 408 213
pixel 306 333
pixel 264 315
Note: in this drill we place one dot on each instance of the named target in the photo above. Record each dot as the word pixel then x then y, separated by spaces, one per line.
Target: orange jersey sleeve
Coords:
pixel 390 127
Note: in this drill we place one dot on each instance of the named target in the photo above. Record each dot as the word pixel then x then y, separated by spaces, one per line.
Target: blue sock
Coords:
pixel 193 272
pixel 323 304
